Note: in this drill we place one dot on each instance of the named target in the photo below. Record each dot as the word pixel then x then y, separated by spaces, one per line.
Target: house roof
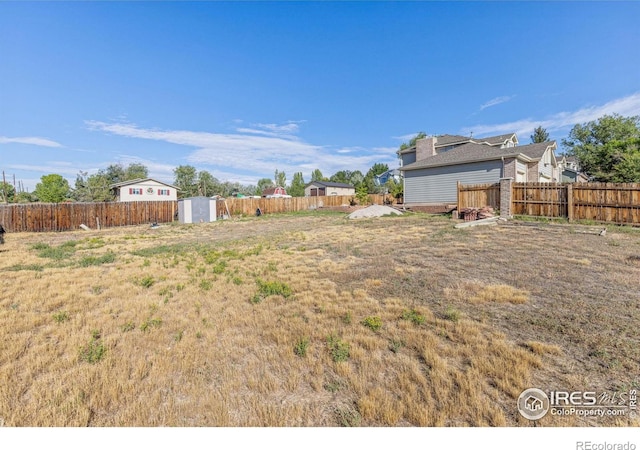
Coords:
pixel 330 184
pixel 496 140
pixel 140 180
pixel 473 152
pixel 534 151
pixel 273 190
pixel 445 140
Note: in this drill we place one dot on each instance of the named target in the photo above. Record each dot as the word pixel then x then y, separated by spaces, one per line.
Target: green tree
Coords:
pixel 52 188
pixel 186 180
pixel 208 185
pixel 280 178
pixel 396 189
pixel 539 135
pixel 316 175
pixel 297 185
pixel 135 171
pixel 115 173
pixel 362 195
pixel 92 188
pixel 341 176
pixel 7 192
pixel 264 183
pixel 24 197
pixel 356 178
pixel 607 147
pixel 369 178
pixel 412 142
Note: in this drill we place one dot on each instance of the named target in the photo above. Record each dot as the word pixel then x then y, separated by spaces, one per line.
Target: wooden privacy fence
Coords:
pixel 69 216
pixel 602 202
pixel 248 205
pixel 539 199
pixel 478 195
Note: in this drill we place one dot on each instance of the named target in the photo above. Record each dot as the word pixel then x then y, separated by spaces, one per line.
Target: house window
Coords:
pixel 163 192
pixel 135 191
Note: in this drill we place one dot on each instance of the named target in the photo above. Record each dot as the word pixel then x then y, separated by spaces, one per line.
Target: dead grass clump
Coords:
pixel 540 348
pixel 499 293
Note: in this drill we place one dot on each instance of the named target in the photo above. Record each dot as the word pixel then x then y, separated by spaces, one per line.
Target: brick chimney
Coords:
pixel 426 148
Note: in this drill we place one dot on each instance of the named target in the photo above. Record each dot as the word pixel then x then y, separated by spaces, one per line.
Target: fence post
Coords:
pixel 570 202
pixel 506 185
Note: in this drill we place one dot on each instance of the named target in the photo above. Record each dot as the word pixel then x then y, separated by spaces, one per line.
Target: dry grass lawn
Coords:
pixel 313 320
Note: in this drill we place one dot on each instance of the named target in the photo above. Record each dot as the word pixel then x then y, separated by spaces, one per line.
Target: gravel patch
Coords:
pixel 373 211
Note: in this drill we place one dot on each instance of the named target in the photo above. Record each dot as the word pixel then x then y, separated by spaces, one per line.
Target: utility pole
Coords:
pixel 4 188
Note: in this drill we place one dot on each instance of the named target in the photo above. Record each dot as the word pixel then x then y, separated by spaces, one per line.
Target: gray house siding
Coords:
pixel 440 184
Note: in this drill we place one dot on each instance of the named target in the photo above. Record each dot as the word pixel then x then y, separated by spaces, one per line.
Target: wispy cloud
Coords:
pixel 496 101
pixel 285 131
pixel 59 167
pixel 248 154
pixel 625 106
pixel 30 141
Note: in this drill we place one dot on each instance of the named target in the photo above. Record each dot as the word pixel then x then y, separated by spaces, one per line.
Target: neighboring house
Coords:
pixel 277 191
pixel 144 190
pixel 440 162
pixel 321 188
pixel 569 170
pixel 391 174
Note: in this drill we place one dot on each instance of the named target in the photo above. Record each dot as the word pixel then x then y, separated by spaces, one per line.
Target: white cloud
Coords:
pixel 250 156
pixel 30 140
pixel 496 101
pixel 59 167
pixel 625 106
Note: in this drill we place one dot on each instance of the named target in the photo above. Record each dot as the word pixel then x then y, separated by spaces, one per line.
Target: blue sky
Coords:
pixel 244 88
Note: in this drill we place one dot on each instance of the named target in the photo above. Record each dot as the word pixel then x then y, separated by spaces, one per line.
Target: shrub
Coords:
pixel 206 285
pixel 395 345
pixel 413 316
pixel 94 351
pixel 373 323
pixel 91 260
pixel 452 314
pixel 219 267
pixel 267 288
pixel 348 417
pixel 338 348
pixel 150 323
pixel 147 281
pixel 300 347
pixel 60 317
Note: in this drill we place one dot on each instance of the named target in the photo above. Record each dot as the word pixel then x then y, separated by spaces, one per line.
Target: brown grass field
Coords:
pixel 314 320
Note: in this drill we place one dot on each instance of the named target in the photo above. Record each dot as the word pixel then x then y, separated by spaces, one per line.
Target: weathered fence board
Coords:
pixel 248 206
pixel 603 202
pixel 69 216
pixel 539 199
pixel 478 195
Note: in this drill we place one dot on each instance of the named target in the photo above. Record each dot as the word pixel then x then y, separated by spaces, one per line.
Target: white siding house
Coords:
pixel 144 190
